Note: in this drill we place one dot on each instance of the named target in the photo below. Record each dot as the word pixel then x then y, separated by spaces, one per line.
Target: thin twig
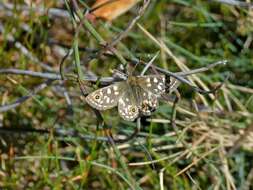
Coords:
pixel 84 21
pixel 53 12
pixel 21 100
pixel 58 132
pixel 134 134
pixel 130 25
pixel 52 76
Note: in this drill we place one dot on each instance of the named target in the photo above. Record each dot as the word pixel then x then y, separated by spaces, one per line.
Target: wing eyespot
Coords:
pixel 133 109
pixel 97 97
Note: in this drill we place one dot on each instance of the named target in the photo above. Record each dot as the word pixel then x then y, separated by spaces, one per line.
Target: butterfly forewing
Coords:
pixel 107 97
pixel 152 83
pixel 127 106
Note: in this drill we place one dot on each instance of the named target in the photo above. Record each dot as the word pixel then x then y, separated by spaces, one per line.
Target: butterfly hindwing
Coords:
pixel 127 106
pixel 152 83
pixel 107 97
pixel 148 104
pixel 146 101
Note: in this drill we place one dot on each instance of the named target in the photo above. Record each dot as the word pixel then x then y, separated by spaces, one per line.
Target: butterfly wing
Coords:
pixel 107 97
pixel 127 106
pixel 152 83
pixel 148 103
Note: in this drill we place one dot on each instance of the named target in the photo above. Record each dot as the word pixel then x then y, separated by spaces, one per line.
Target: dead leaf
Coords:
pixel 111 9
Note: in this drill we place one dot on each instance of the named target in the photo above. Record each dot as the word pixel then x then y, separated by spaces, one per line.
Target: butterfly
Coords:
pixel 136 96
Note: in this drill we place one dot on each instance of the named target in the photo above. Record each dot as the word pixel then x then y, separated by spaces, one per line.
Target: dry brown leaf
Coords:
pixel 111 9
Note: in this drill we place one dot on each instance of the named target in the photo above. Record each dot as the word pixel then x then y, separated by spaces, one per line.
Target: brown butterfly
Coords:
pixel 136 96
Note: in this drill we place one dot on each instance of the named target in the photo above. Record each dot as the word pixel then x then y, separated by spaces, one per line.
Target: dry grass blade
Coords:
pixel 197 160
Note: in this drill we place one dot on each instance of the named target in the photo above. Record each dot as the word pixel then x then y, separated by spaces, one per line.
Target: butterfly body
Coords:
pixel 136 96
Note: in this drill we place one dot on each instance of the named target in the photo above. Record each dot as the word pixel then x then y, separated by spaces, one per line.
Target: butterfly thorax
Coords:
pixel 132 89
pixel 132 81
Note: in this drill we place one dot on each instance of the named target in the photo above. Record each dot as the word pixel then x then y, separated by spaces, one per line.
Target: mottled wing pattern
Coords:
pixel 148 104
pixel 152 83
pixel 146 101
pixel 133 99
pixel 127 106
pixel 107 97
